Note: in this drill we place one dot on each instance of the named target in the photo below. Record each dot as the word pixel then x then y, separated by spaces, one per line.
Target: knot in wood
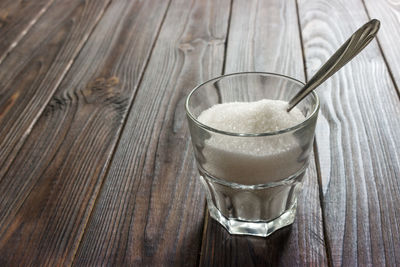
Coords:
pixel 101 88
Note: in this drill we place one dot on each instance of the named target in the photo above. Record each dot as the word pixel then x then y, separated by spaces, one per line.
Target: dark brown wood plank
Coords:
pixel 357 139
pixel 16 18
pixel 388 12
pixel 264 36
pixel 150 211
pixel 48 193
pixel 30 75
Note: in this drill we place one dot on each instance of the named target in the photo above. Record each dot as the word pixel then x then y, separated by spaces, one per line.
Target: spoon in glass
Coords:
pixel 354 45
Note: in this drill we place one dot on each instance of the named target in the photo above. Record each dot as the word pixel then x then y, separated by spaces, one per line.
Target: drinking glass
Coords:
pixel 251 180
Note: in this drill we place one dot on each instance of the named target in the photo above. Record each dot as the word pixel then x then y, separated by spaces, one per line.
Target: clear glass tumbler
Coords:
pixel 252 190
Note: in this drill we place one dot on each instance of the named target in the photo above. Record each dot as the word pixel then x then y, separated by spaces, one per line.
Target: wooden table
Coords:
pixel 96 164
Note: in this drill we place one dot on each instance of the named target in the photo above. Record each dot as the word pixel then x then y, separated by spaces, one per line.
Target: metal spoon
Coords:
pixel 354 45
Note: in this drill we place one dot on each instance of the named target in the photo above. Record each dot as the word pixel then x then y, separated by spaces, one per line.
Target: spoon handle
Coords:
pixel 354 45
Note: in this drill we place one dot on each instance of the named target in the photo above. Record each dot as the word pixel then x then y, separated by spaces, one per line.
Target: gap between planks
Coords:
pixel 383 54
pixel 206 217
pixel 315 148
pixel 321 199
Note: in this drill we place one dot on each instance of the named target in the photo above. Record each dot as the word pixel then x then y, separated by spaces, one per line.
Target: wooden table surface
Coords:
pixel 96 164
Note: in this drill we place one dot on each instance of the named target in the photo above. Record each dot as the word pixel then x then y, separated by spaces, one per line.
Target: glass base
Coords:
pixel 260 228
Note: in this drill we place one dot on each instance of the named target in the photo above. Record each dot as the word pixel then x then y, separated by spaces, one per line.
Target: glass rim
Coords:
pixel 290 129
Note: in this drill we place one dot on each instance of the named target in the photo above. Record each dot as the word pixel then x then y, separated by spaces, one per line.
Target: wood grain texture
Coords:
pixel 150 211
pixel 388 12
pixel 47 195
pixel 267 39
pixel 30 75
pixel 357 139
pixel 16 18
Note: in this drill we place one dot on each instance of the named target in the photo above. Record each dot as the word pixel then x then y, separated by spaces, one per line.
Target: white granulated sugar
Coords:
pixel 252 160
pixel 251 117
